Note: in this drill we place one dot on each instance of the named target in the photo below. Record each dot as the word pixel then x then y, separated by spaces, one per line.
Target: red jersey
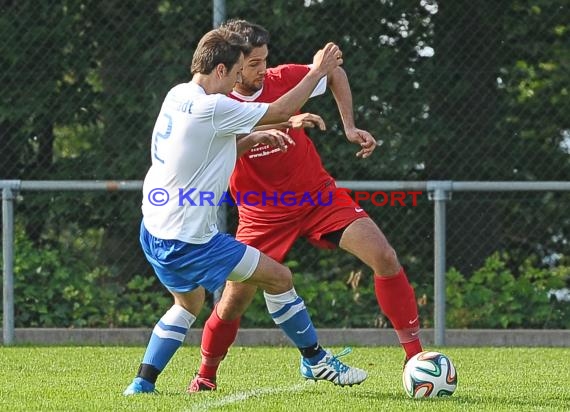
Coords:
pixel 265 170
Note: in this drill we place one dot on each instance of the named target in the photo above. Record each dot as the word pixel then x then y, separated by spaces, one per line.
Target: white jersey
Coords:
pixel 193 155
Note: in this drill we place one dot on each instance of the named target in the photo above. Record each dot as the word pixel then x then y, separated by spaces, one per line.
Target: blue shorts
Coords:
pixel 182 267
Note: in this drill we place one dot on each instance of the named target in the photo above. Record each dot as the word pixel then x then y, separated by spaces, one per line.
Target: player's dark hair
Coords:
pixel 218 46
pixel 254 34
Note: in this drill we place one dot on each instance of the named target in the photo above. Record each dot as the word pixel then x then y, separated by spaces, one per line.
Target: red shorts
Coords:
pixel 274 232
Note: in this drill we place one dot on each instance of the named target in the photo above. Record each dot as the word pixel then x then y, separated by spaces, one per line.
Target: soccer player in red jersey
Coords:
pixel 273 225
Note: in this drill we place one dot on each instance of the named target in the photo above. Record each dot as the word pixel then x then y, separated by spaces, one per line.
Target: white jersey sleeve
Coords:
pixel 321 86
pixel 237 117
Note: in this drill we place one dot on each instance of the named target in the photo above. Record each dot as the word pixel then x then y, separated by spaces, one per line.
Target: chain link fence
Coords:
pixel 456 91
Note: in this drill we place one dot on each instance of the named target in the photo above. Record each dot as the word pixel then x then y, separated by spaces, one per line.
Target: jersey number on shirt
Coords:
pixel 164 136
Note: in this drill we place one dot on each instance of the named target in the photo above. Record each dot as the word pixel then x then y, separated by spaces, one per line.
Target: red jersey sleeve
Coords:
pixel 285 77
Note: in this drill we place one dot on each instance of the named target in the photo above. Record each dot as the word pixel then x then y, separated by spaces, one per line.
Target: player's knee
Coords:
pixel 386 262
pixel 232 308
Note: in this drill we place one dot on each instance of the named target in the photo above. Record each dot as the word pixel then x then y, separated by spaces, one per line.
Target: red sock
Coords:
pixel 397 300
pixel 217 337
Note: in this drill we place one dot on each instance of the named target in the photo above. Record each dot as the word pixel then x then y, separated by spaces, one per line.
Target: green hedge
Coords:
pixel 64 287
pixel 496 296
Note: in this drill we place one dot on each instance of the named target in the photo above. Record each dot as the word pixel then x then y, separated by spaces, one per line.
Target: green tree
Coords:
pixel 83 82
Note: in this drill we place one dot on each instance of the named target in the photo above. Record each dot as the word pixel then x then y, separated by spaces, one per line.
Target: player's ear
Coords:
pixel 221 70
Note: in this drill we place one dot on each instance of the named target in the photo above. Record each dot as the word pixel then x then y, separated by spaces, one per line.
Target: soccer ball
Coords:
pixel 428 375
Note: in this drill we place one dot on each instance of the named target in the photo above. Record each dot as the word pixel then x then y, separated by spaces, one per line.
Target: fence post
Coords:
pixel 218 17
pixel 440 193
pixel 218 12
pixel 8 265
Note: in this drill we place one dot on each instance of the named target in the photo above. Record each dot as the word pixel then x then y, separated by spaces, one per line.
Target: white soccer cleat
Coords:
pixel 331 369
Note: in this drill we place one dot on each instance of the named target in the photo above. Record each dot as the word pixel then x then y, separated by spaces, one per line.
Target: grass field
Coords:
pixel 267 379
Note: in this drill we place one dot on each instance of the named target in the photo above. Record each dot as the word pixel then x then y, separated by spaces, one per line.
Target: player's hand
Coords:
pixel 328 58
pixel 273 137
pixel 306 120
pixel 362 138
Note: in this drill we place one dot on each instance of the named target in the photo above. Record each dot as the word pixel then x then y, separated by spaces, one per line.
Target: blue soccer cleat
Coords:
pixel 139 385
pixel 331 369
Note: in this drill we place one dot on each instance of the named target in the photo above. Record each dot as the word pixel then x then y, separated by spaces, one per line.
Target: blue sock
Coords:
pixel 290 314
pixel 167 336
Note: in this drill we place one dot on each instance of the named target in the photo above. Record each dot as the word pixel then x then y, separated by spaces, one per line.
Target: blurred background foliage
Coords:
pixel 456 91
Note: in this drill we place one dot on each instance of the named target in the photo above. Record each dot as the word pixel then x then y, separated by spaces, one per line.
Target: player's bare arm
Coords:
pixel 340 87
pixel 307 120
pixel 273 138
pixel 278 126
pixel 299 121
pixel 324 61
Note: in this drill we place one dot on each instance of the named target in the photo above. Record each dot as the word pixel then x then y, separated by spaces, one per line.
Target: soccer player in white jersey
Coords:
pixel 193 155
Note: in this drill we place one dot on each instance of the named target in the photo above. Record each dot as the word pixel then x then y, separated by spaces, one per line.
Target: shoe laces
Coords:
pixel 336 363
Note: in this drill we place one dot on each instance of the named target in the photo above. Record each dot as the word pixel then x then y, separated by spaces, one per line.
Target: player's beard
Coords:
pixel 249 88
